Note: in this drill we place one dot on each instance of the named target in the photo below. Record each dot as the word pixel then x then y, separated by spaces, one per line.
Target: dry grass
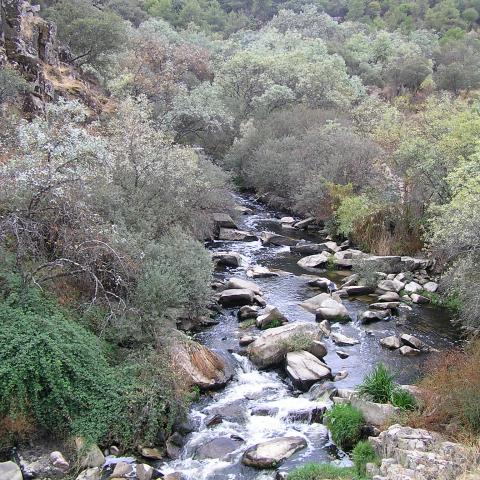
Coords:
pixel 451 395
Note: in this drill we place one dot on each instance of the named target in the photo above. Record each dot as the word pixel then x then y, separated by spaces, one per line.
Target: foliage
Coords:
pixel 91 33
pixel 297 341
pixel 362 454
pixel 345 424
pixel 451 392
pixel 379 386
pixel 11 84
pixel 321 471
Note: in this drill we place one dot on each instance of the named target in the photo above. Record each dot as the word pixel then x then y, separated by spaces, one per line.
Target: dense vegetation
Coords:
pixel 362 114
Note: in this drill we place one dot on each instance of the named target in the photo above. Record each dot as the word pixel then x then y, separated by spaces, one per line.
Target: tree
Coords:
pixel 91 33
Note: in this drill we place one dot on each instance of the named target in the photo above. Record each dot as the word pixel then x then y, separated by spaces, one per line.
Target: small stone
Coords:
pixel 342 354
pixel 91 456
pixel 431 287
pixel 114 450
pixel 340 339
pixel 389 297
pixel 58 460
pixel 246 340
pixel 392 342
pixel 10 471
pixel 318 349
pixel 409 351
pixel 89 474
pixel 412 341
pixel 325 327
pixel 144 471
pixel 122 470
pixel 340 375
pixel 413 287
pixel 151 452
pixel 419 299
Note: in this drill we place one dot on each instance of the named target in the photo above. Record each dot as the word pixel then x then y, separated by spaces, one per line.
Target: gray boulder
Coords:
pixel 271 314
pixel 340 339
pixel 233 235
pixel 10 471
pixel 305 369
pixel 313 261
pixel 227 259
pixel 391 285
pixel 236 297
pixel 307 248
pixel 270 348
pixel 318 349
pixel 273 452
pixel 217 448
pixel 223 220
pixel 384 306
pixel 412 341
pixel 260 272
pixel 270 238
pixel 374 315
pixel 431 287
pixel 392 342
pixel 389 297
pixel 304 223
pixel 248 311
pixel 413 287
pixel 419 299
pixel 240 283
pixel 407 351
pixel 357 290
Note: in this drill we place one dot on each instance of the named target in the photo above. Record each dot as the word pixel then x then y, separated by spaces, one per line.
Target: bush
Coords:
pixel 378 385
pixel 11 84
pixel 323 471
pixel 345 423
pixel 362 454
pixel 451 392
pixel 403 399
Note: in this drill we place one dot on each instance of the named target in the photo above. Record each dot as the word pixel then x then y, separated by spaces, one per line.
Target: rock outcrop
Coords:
pixel 273 452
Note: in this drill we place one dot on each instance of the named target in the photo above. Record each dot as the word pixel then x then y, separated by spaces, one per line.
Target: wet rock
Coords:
pixel 260 300
pixel 321 392
pixel 430 287
pixel 241 284
pixel 10 471
pixel 389 297
pixel 342 354
pixel 374 315
pixel 151 452
pixel 318 349
pixel 246 340
pixel 264 411
pixel 272 315
pixel 325 327
pixel 173 476
pixel 91 455
pixel 198 365
pixel 326 307
pixel 342 374
pixel 236 297
pixel 384 306
pixel 58 460
pixel 307 248
pixel 306 415
pixel 419 299
pixel 391 285
pixel 287 220
pixel 407 351
pixel 143 471
pixel 88 474
pixel 304 369
pixel 122 470
pixel 412 341
pixel 230 412
pixel 114 450
pixel 260 272
pixel 213 420
pixel 413 287
pixel 304 223
pixel 313 261
pixel 321 282
pixel 248 311
pixel 227 259
pixel 341 339
pixel 174 445
pixel 392 342
pixel 273 452
pixel 243 209
pixel 270 238
pixel 223 220
pixel 217 448
pixel 350 280
pixel 272 345
pixel 232 235
pixel 357 290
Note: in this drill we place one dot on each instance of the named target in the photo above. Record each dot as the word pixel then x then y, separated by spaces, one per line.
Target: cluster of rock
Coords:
pixel 417 454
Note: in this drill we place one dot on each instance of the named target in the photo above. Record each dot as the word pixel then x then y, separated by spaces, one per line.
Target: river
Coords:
pixel 252 391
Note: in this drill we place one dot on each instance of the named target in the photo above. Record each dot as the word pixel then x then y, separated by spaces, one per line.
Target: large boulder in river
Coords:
pixel 240 283
pixel 391 285
pixel 307 248
pixel 198 365
pixel 396 264
pixel 218 447
pixel 270 348
pixel 227 259
pixel 326 307
pixel 314 261
pixel 273 452
pixel 233 235
pixel 270 238
pixel 305 369
pixel 236 297
pixel 374 315
pixel 271 317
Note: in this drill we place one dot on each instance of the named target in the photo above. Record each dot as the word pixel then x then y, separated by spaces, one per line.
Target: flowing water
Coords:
pixel 270 393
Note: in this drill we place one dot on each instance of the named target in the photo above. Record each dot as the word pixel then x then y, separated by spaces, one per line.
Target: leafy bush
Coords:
pixel 362 454
pixel 345 424
pixel 323 471
pixel 11 83
pixel 56 377
pixel 378 385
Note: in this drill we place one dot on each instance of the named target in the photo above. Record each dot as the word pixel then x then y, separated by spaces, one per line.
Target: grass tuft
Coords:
pixel 378 385
pixel 345 424
pixel 321 471
pixel 362 454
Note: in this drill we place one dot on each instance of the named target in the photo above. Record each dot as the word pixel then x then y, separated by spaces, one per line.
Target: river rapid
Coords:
pixel 260 405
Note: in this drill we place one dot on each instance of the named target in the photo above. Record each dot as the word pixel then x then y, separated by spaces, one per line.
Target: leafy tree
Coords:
pixel 91 33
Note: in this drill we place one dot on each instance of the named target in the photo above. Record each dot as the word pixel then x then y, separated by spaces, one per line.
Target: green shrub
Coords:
pixel 323 471
pixel 272 324
pixel 362 454
pixel 403 399
pixel 11 84
pixel 378 385
pixel 345 423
